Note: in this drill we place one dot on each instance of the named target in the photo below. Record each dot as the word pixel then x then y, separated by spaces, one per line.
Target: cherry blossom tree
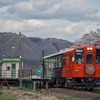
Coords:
pixel 89 39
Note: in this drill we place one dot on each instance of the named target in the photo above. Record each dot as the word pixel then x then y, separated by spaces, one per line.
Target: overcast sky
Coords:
pixel 62 19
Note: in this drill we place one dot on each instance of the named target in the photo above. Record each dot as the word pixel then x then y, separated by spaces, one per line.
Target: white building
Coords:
pixel 10 67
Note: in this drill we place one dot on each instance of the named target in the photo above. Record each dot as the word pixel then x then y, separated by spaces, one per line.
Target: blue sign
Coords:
pixel 38 73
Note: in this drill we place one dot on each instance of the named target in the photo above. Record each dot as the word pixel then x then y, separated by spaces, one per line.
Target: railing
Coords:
pixel 9 73
pixel 29 73
pixel 26 73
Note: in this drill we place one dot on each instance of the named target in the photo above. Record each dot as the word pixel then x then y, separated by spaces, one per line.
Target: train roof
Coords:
pixel 68 49
pixel 60 52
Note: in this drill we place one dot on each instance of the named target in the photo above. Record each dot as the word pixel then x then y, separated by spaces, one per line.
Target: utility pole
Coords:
pixel 43 63
pixel 20 56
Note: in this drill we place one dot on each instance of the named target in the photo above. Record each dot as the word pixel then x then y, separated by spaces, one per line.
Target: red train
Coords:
pixel 78 67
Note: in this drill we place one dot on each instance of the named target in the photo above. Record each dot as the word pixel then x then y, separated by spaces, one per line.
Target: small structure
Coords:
pixel 10 67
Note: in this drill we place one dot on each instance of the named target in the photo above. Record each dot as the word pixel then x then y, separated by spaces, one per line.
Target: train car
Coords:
pixel 77 67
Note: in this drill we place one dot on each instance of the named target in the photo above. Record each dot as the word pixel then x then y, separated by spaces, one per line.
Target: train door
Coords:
pixel 90 64
pixel 67 71
pixel 70 65
pixel 97 61
pixel 13 72
pixel 79 63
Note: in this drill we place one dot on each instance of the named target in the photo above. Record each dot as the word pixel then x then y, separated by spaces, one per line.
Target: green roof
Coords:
pixel 9 59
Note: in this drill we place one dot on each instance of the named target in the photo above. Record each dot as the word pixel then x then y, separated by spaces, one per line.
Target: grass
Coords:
pixel 25 89
pixel 8 96
pixel 64 97
pixel 1 93
pixel 44 92
pixel 37 94
pixel 0 68
pixel 60 96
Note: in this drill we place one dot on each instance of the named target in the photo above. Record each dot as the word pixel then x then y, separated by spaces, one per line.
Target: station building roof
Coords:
pixel 9 60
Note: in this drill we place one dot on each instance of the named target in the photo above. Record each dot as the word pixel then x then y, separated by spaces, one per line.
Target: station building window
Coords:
pixel 8 67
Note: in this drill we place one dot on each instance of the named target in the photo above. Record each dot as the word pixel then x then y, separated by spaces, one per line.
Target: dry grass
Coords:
pixel 27 95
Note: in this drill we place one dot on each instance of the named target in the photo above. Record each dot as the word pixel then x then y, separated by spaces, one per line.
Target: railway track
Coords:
pixel 87 95
pixel 96 91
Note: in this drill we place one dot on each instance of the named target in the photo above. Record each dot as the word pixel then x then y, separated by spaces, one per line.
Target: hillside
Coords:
pixel 31 47
pixel 52 45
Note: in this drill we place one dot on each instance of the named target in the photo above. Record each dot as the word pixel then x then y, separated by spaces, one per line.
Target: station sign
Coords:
pixel 39 72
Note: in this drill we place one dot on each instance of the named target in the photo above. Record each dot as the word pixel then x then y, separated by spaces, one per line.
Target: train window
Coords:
pixel 89 59
pixel 50 63
pixel 79 53
pixel 70 58
pixel 97 56
pixel 57 64
pixel 54 62
pixel 59 61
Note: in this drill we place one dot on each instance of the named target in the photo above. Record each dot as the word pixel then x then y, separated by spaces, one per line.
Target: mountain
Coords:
pixel 51 45
pixel 31 47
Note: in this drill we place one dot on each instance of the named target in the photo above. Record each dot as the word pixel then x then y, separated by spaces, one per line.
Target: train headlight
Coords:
pixel 90 69
pixel 89 48
pixel 77 71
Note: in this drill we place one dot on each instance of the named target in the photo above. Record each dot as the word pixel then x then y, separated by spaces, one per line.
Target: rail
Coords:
pixel 26 73
pixel 29 73
pixel 9 73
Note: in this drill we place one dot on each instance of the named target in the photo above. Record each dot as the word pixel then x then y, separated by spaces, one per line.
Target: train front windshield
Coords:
pixel 79 56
